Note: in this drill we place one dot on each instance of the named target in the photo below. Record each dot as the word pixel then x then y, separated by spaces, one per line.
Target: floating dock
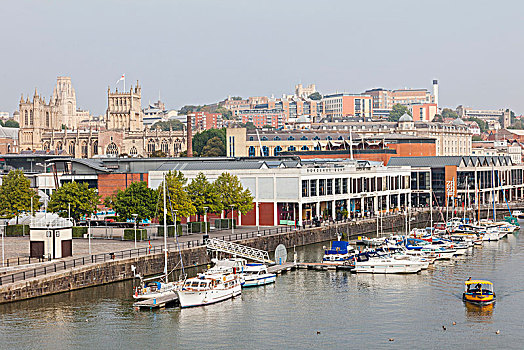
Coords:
pixel 323 266
pixel 282 268
pixel 156 303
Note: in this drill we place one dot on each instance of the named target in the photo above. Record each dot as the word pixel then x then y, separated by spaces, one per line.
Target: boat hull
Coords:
pixel 259 281
pixel 207 297
pixel 479 299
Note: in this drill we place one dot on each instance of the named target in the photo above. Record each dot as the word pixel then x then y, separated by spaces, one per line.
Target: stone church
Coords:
pixel 58 127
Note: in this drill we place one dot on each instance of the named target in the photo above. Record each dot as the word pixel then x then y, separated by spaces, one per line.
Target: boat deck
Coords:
pixel 159 302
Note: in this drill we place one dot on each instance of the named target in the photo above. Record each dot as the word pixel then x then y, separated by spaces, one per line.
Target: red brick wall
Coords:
pixel 109 183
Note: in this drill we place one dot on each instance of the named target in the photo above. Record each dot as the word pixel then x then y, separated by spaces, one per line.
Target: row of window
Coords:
pixel 326 187
pixel 292 138
pixel 278 149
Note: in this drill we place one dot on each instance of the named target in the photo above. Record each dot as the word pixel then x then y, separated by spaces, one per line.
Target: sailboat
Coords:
pixel 158 286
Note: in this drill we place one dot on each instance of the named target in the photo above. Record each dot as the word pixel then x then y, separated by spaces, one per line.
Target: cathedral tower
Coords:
pixel 124 110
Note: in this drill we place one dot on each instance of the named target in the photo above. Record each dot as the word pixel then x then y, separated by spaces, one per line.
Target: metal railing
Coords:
pixel 238 249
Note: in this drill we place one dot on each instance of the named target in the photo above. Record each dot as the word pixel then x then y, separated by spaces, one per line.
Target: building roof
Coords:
pixel 405 118
pixel 442 161
pixel 8 133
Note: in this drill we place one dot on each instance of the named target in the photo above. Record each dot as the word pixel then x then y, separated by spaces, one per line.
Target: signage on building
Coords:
pixel 450 188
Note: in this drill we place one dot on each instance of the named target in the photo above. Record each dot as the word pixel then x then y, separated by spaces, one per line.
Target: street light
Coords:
pixel 135 216
pixel 89 233
pixel 3 253
pixel 205 219
pixel 258 216
pixel 232 219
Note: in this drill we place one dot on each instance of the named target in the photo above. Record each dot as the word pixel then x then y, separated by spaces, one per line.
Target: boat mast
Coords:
pixel 466 199
pixel 493 191
pixel 165 228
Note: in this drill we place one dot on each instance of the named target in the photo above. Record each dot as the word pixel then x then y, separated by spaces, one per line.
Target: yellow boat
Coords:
pixel 479 292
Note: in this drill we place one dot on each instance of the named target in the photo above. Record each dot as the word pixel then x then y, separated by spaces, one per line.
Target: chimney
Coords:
pixel 189 137
pixel 435 91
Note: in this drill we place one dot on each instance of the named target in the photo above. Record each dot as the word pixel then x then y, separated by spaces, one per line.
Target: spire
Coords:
pixel 22 98
pixel 36 93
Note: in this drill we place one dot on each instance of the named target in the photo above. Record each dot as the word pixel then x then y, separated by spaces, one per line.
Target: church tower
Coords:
pixel 124 110
pixel 64 97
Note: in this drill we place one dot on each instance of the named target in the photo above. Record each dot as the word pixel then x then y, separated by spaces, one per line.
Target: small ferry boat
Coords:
pixel 208 289
pixel 257 275
pixel 479 292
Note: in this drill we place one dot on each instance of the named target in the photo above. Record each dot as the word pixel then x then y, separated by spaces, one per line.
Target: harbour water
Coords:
pixel 303 310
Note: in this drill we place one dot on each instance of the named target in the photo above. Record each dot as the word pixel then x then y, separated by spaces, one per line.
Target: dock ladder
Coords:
pixel 239 250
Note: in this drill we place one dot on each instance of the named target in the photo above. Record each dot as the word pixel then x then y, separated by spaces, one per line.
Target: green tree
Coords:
pixel 438 118
pixel 398 111
pixel 136 199
pixel 200 139
pixel 449 113
pixel 83 200
pixel 232 193
pixel 189 109
pixel 11 123
pixel 177 196
pixel 16 194
pixel 315 96
pixel 226 113
pixel 202 194
pixel 214 147
pixel 476 138
pixel 248 125
pixel 236 98
pixel 158 154
pixel 170 124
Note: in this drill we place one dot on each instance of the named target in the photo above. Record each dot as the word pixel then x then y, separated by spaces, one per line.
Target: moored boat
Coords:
pixel 209 289
pixel 257 275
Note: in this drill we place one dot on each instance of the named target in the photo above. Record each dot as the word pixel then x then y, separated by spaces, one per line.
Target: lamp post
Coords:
pixel 232 219
pixel 3 253
pixel 205 220
pixel 89 233
pixel 135 216
pixel 69 211
pixel 258 216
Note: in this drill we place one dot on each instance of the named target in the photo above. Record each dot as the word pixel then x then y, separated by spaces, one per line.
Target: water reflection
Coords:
pixel 479 313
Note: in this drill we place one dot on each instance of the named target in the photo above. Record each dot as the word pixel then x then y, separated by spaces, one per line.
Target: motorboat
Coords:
pixel 438 253
pixel 209 288
pixel 155 289
pixel 339 252
pixel 518 214
pixel 366 263
pixel 491 235
pixel 257 275
pixel 479 292
pixel 372 242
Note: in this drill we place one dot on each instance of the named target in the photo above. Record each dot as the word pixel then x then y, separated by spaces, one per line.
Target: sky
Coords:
pixel 198 52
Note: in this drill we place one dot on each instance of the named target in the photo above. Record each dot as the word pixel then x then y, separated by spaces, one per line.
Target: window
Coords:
pixel 84 149
pixel 46 146
pixel 291 148
pixel 291 138
pixel 305 188
pixel 264 138
pixel 329 186
pixel 165 147
pixel 26 118
pixel 251 138
pixel 72 148
pixel 304 138
pixel 316 138
pixel 47 120
pixel 265 151
pixel 133 151
pixel 338 188
pixel 277 151
pixel 95 147
pixel 304 148
pixel 313 187
pixel 59 146
pixel 329 138
pixel 344 185
pixel 340 138
pixel 31 119
pixel 276 138
pixel 322 187
pixel 251 151
pixel 318 147
pixel 112 149
pixel 150 146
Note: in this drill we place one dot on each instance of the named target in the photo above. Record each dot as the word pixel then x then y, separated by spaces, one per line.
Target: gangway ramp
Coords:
pixel 239 250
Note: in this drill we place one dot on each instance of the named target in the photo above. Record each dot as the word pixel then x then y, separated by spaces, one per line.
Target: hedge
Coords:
pixel 224 223
pixel 141 234
pixel 170 230
pixel 198 227
pixel 79 231
pixel 16 230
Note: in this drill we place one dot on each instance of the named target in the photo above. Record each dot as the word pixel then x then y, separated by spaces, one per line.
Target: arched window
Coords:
pixel 264 138
pixel 329 138
pixel 46 146
pixel 176 148
pixel 265 151
pixel 304 148
pixel 340 138
pixel 291 148
pixel 316 138
pixel 84 149
pixel 150 146
pixel 112 149
pixel 95 148
pixel 276 138
pixel 251 138
pixel 26 118
pixel 31 119
pixel 291 138
pixel 133 151
pixel 165 147
pixel 59 146
pixel 304 138
pixel 251 151
pixel 70 108
pixel 277 150
pixel 47 120
pixel 318 147
pixel 72 148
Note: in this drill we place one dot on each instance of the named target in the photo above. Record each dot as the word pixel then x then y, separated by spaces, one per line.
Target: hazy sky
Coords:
pixel 197 52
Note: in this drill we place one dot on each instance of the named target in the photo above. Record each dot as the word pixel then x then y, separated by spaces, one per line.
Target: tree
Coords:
pixel 232 193
pixel 236 98
pixel 483 126
pixel 177 198
pixel 517 125
pixel 82 199
pixel 170 124
pixel 16 194
pixel 438 118
pixel 476 138
pixel 189 109
pixel 226 113
pixel 202 194
pixel 11 123
pixel 398 111
pixel 267 126
pixel 449 113
pixel 247 125
pixel 136 199
pixel 200 139
pixel 158 154
pixel 316 96
pixel 214 147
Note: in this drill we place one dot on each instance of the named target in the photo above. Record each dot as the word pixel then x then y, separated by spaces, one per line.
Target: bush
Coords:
pixel 141 234
pixel 197 227
pixel 79 231
pixel 16 230
pixel 170 230
pixel 224 223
